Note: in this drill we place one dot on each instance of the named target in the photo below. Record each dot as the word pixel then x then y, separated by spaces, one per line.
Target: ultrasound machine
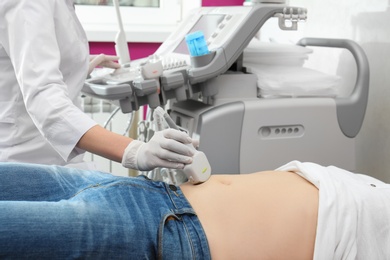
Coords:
pixel 217 98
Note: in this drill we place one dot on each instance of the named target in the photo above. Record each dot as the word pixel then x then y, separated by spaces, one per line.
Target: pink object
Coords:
pixel 221 2
pixel 137 50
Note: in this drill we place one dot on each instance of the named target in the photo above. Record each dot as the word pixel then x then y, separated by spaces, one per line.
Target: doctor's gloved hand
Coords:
pixel 168 148
pixel 102 60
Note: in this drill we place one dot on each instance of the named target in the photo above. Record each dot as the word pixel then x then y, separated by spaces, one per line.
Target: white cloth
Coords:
pixel 276 81
pixel 354 213
pixel 44 60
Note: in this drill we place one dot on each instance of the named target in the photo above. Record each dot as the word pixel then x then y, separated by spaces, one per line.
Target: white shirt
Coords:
pixel 353 214
pixel 43 64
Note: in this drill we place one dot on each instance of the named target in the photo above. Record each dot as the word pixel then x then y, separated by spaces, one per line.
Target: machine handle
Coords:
pixel 98 88
pixel 350 110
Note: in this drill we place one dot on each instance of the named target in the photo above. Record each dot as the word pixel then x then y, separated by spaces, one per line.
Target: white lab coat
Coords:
pixel 43 64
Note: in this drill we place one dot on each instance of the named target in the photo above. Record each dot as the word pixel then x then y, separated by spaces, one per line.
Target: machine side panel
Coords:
pixel 276 131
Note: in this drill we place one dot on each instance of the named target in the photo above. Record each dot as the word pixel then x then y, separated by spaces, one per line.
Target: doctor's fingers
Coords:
pixel 103 60
pixel 102 57
pixel 110 64
pixel 109 61
pixel 168 157
pixel 176 147
pixel 195 143
pixel 167 164
pixel 177 135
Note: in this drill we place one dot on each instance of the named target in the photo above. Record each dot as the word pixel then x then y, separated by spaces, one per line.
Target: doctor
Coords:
pixel 44 60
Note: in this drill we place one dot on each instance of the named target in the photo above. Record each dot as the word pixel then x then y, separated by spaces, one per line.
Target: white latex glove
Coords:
pixel 195 143
pixel 103 60
pixel 168 148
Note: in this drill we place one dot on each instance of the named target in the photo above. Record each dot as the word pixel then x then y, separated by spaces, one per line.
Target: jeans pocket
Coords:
pixel 173 239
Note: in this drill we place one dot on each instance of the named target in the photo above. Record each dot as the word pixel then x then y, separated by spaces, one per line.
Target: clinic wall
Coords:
pixel 141 50
pixel 368 23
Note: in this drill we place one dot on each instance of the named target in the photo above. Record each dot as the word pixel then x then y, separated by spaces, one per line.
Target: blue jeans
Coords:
pixel 49 212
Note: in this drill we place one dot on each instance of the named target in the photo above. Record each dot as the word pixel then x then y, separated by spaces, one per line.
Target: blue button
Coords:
pixel 197 44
